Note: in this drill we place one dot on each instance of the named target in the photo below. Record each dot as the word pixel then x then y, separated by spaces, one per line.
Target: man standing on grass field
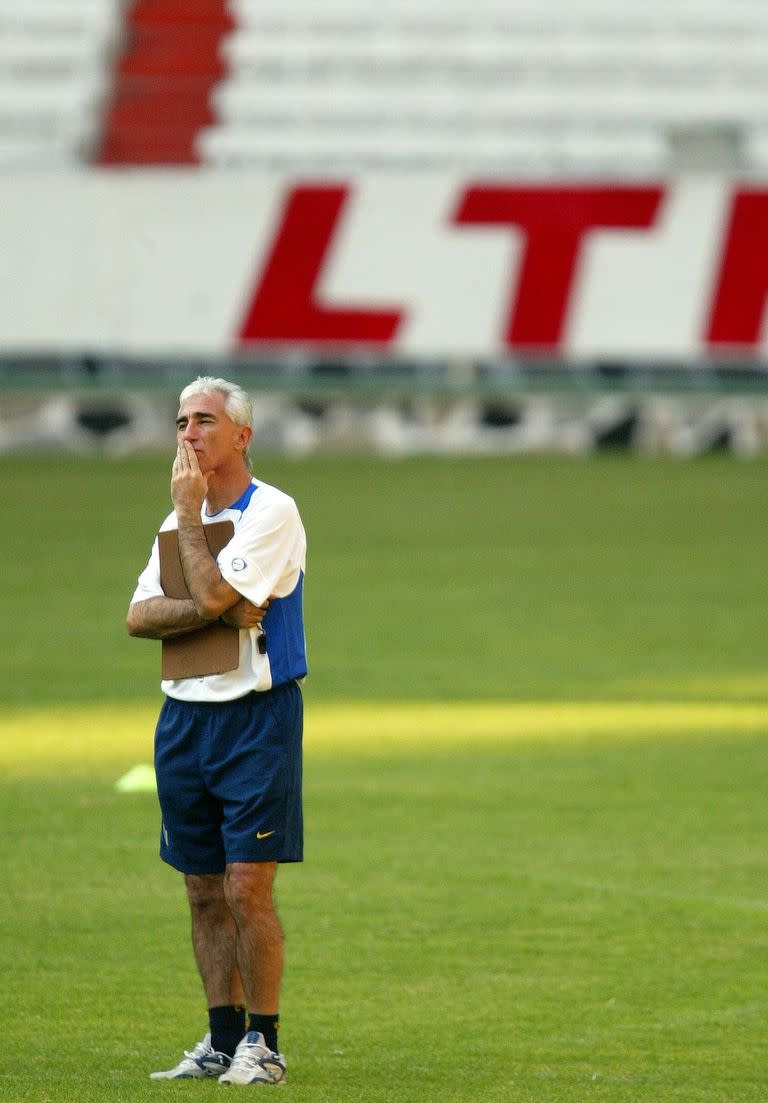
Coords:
pixel 228 746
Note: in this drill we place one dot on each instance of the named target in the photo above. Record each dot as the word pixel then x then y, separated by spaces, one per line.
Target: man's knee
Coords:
pixel 205 891
pixel 248 886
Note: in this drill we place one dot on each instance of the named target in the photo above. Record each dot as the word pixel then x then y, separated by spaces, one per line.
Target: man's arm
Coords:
pixel 210 594
pixel 162 618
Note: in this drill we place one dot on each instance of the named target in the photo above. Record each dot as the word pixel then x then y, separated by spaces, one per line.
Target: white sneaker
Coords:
pixel 204 1060
pixel 255 1063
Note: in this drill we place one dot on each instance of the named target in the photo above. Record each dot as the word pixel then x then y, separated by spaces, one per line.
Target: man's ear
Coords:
pixel 243 438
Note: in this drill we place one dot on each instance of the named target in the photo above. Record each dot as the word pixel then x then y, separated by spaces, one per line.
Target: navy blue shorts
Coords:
pixel 229 780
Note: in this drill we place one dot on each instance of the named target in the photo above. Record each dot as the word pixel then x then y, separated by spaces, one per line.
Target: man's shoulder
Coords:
pixel 270 498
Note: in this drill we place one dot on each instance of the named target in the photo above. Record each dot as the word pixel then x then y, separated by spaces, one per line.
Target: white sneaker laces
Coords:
pixel 200 1050
pixel 249 1056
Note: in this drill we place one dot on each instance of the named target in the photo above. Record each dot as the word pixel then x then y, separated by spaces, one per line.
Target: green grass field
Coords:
pixel 535 788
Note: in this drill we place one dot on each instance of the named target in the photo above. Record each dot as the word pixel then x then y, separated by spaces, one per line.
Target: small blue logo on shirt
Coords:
pixel 239 564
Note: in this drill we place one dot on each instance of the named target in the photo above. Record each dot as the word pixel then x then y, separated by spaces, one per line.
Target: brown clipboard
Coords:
pixel 213 649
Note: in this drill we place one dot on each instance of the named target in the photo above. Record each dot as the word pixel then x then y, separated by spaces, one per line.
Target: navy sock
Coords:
pixel 267 1025
pixel 227 1027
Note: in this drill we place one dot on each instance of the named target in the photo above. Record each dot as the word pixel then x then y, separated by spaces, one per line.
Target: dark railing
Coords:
pixel 365 377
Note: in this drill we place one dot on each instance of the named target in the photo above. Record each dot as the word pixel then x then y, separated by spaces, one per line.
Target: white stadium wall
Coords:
pixel 177 262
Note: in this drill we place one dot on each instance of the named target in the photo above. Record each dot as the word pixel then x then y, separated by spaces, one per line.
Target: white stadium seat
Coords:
pixel 444 104
pixel 309 149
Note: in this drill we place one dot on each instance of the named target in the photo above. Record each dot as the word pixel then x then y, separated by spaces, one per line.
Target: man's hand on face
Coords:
pixel 189 485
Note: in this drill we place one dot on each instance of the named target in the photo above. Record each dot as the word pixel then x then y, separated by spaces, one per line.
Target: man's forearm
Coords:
pixel 210 593
pixel 162 618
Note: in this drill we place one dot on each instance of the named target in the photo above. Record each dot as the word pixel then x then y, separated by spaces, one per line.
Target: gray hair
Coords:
pixel 237 404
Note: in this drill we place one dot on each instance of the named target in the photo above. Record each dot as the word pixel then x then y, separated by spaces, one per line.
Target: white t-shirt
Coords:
pixel 266 556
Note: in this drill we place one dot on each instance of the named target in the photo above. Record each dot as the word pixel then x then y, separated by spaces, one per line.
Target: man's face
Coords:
pixel 203 423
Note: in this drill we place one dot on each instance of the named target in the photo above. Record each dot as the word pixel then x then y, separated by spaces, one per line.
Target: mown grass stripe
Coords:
pixel 36 738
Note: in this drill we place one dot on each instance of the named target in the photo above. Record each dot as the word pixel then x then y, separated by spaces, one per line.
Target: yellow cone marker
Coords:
pixel 139 779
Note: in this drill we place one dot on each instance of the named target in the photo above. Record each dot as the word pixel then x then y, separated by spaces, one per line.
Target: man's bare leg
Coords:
pixel 260 939
pixel 260 954
pixel 214 939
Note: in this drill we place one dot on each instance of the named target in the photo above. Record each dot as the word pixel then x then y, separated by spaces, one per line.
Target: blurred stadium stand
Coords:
pixel 552 86
pixel 565 88
pixel 171 60
pixel 55 79
pixel 585 86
